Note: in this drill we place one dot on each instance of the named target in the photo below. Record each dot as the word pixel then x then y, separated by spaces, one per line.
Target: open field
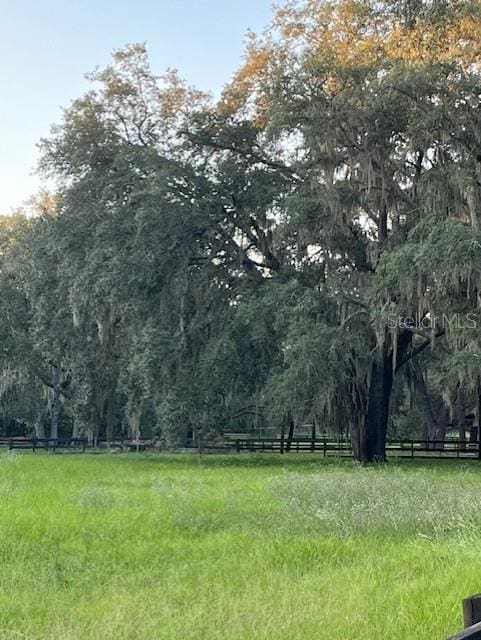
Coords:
pixel 235 547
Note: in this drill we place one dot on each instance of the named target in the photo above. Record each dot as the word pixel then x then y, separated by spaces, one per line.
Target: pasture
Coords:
pixel 241 547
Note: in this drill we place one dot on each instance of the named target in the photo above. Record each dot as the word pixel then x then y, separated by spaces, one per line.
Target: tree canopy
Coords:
pixel 306 249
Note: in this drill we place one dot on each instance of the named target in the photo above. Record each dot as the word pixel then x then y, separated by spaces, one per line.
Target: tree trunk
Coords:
pixel 356 437
pixel 429 416
pixel 39 424
pixel 110 418
pixel 94 426
pixel 461 414
pixel 133 416
pixel 55 407
pixel 371 444
pixel 441 427
pixel 374 431
pixel 478 414
pixel 283 433
pixel 290 435
pixel 471 195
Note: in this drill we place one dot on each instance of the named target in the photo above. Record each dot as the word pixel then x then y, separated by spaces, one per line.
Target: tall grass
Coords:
pixel 397 502
pixel 242 547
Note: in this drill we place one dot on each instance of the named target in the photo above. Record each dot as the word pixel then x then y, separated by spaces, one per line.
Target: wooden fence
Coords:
pixel 50 444
pixel 472 619
pixel 450 448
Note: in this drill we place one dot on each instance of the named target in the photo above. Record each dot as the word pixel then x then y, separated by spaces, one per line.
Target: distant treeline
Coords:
pixel 306 249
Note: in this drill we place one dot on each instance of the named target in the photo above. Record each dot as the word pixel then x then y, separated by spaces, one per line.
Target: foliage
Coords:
pixel 283 253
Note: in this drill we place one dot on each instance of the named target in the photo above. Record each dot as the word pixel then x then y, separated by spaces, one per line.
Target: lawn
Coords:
pixel 235 547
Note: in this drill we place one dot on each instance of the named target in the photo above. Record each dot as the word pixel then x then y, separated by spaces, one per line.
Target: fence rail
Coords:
pixel 472 619
pixel 50 444
pixel 449 448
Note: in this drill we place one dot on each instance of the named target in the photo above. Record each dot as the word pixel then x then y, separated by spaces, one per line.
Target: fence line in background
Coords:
pixel 450 448
pixel 399 448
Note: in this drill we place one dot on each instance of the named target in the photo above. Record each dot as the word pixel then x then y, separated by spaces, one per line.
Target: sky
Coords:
pixel 47 46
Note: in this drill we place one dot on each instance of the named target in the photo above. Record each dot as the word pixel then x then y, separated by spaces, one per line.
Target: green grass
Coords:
pixel 235 547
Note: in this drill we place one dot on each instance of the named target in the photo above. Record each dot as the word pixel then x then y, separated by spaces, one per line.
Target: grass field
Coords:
pixel 224 547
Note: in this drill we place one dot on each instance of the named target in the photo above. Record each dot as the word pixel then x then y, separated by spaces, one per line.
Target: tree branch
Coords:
pixel 420 348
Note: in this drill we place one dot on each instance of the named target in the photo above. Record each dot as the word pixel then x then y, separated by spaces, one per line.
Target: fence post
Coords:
pixel 325 447
pixel 472 610
pixel 412 448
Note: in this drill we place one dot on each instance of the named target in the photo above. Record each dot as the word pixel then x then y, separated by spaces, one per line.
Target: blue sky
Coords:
pixel 46 47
